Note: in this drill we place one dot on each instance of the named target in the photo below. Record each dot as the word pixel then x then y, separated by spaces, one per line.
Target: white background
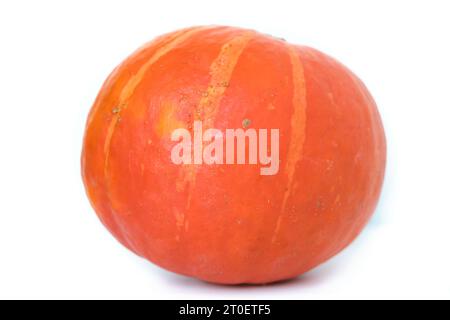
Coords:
pixel 54 56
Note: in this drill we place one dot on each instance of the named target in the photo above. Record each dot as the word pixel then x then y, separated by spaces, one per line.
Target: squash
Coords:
pixel 226 222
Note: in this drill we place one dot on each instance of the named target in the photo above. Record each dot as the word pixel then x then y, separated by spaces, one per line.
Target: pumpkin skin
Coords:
pixel 229 224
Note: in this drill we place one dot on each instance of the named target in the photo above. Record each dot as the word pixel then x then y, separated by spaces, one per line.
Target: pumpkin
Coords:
pixel 227 222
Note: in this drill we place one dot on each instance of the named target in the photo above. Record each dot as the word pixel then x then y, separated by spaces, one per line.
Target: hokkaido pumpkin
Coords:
pixel 223 221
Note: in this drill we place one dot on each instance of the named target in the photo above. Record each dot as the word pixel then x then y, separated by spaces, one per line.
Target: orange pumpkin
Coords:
pixel 228 223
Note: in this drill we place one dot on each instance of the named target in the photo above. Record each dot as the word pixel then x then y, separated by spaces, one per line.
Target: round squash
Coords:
pixel 220 221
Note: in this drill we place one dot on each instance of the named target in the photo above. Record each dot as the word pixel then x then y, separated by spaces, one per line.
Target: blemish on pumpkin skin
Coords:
pixel 320 204
pixel 246 123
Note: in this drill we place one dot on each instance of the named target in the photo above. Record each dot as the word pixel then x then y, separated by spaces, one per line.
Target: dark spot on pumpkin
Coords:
pixel 320 205
pixel 246 123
